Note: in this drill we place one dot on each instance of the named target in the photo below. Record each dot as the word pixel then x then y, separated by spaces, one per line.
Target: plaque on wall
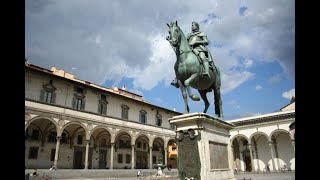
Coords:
pixel 189 164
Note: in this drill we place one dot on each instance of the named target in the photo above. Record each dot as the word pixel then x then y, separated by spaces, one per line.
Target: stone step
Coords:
pixel 98 173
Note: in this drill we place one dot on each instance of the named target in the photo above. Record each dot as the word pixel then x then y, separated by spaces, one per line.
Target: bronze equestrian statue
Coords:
pixel 194 67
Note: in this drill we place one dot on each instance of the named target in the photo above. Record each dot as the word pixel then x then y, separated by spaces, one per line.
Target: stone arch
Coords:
pixel 239 135
pixel 256 133
pixel 155 137
pixel 99 132
pixel 42 117
pixel 98 127
pixel 74 122
pixel 141 134
pixel 121 132
pixel 281 130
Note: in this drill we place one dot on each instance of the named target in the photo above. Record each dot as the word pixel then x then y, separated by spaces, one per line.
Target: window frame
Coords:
pixel 142 114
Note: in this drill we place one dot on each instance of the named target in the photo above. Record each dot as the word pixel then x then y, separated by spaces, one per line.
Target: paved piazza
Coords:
pixel 266 176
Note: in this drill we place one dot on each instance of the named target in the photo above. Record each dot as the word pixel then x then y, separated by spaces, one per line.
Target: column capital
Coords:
pixel 59 138
pixel 270 144
pixel 132 146
pixel 150 147
pixel 250 146
pixel 87 141
pixel 165 148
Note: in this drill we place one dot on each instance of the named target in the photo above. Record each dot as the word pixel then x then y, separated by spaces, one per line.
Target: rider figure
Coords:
pixel 197 41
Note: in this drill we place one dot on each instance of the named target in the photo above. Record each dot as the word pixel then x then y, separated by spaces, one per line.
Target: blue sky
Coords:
pixel 117 43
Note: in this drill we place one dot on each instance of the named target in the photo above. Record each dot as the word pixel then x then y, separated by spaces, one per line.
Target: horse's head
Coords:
pixel 174 33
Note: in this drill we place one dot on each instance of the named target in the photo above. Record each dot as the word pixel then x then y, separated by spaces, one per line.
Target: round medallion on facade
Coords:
pixel 89 126
pixel 61 122
pixel 27 117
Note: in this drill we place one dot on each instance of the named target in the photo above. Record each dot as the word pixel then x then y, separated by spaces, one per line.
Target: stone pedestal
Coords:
pixel 204 149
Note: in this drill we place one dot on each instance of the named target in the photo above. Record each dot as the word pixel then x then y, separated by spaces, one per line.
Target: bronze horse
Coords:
pixel 188 72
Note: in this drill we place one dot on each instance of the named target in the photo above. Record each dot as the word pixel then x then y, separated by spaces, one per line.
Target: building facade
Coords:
pixel 75 124
pixel 265 142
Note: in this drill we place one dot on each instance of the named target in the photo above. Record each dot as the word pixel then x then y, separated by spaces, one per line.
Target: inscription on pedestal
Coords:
pixel 189 164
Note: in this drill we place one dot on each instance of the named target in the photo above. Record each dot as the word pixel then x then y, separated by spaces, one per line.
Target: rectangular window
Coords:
pixel 144 146
pixel 119 158
pixel 139 144
pixel 63 138
pixel 154 160
pixel 102 108
pixel 53 153
pixel 142 118
pixel 52 137
pixel 124 113
pixel 33 152
pixel 48 97
pixel 128 158
pixel 159 121
pixel 78 103
pixel 79 139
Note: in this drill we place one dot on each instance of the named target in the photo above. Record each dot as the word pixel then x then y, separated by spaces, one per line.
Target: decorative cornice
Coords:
pixel 265 120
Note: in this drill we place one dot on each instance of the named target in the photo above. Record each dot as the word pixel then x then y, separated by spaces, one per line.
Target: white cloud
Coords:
pixel 258 87
pixel 289 94
pixel 110 40
pixel 234 79
pixel 274 79
pixel 248 63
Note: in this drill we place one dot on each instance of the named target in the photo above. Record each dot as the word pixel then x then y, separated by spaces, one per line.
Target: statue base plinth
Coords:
pixel 204 150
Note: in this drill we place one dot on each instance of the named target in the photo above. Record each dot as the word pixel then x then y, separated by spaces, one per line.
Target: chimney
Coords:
pixel 123 88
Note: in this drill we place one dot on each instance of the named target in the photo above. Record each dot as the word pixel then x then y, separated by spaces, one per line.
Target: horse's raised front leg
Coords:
pixel 184 95
pixel 187 85
pixel 203 94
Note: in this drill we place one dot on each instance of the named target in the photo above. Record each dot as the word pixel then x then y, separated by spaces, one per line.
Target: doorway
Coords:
pixel 102 159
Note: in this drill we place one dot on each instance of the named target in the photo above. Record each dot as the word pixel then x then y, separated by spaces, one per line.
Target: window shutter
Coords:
pixel 83 104
pixel 99 108
pixel 42 95
pixel 53 98
pixel 74 102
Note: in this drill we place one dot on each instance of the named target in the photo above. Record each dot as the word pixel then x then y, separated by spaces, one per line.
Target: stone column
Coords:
pixel 166 156
pixel 251 158
pixel 293 145
pixel 86 163
pixel 233 159
pixel 241 161
pixel 111 154
pixel 277 156
pixel 56 155
pixel 272 156
pixel 150 158
pixel 132 156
